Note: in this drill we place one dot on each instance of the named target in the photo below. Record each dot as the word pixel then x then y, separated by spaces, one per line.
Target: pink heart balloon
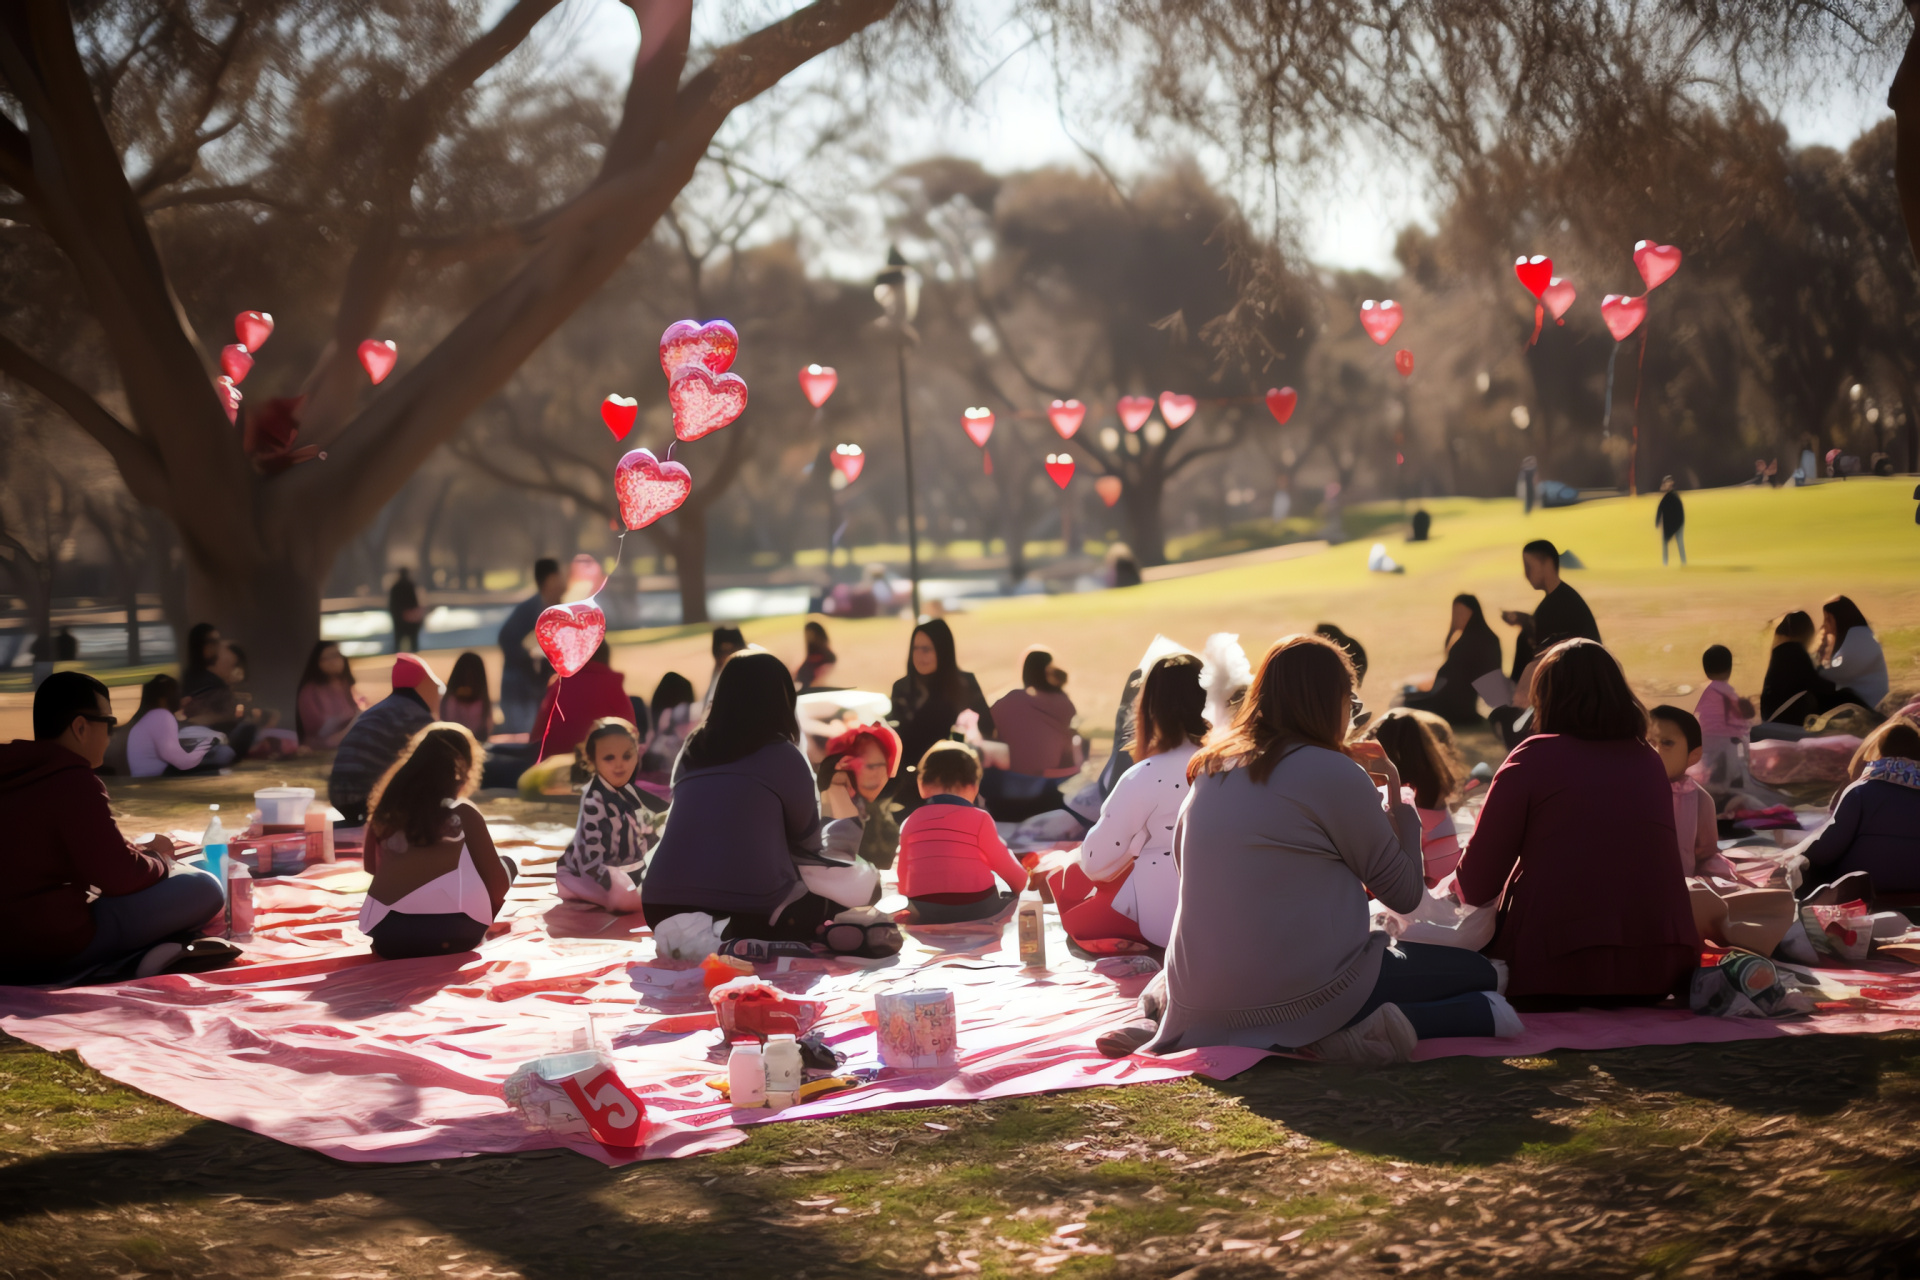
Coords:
pixel 1134 411
pixel 1622 314
pixel 1060 467
pixel 1177 409
pixel 230 397
pixel 1066 417
pixel 849 460
pixel 703 403
pixel 978 424
pixel 1559 296
pixel 1403 361
pixel 1380 319
pixel 713 344
pixel 378 359
pixel 649 488
pixel 1280 403
pixel 1534 273
pixel 570 634
pixel 235 362
pixel 1657 262
pixel 1108 487
pixel 253 328
pixel 619 412
pixel 817 382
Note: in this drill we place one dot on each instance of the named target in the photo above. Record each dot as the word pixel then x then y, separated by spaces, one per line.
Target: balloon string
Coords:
pixel 1639 376
pixel 548 728
pixel 1539 318
pixel 1606 418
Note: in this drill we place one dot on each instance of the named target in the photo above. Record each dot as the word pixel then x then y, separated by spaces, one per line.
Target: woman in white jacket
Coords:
pixel 1851 653
pixel 1121 893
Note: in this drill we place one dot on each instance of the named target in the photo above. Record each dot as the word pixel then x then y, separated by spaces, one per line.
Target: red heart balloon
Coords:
pixel 713 344
pixel 570 634
pixel 1657 262
pixel 1280 403
pixel 849 461
pixel 1108 487
pixel 1535 273
pixel 253 328
pixel 978 424
pixel 1380 319
pixel 618 412
pixel 1403 361
pixel 817 383
pixel 1558 295
pixel 1177 409
pixel 1066 417
pixel 230 397
pixel 378 359
pixel 703 403
pixel 649 488
pixel 1060 467
pixel 235 362
pixel 1622 314
pixel 1134 411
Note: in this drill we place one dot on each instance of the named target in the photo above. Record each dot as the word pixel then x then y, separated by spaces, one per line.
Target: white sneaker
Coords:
pixel 158 958
pixel 1499 974
pixel 1382 1037
pixel 1506 1019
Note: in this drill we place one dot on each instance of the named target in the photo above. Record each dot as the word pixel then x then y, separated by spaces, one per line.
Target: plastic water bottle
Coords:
pixel 747 1076
pixel 214 844
pixel 239 901
pixel 785 1071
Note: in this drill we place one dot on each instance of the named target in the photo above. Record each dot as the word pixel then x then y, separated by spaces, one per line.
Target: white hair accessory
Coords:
pixel 1224 673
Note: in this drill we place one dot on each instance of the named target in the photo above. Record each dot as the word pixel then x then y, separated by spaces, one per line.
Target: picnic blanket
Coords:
pixel 314 1042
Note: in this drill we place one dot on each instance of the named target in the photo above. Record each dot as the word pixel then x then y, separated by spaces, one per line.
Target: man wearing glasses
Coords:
pixel 61 843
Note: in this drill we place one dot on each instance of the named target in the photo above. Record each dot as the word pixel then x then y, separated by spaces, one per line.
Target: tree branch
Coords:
pixel 139 465
pixel 237 194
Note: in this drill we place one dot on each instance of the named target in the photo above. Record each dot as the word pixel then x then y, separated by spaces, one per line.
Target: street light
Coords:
pixel 897 290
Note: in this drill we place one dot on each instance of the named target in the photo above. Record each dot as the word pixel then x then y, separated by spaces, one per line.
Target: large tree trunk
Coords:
pixel 270 607
pixel 1142 495
pixel 690 560
pixel 1903 98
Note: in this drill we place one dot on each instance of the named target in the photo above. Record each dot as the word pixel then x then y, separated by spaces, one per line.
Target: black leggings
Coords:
pixel 402 936
pixel 800 922
pixel 985 907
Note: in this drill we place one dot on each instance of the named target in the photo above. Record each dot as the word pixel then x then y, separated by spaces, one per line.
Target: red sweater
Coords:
pixel 1596 904
pixel 949 847
pixel 593 691
pixel 60 838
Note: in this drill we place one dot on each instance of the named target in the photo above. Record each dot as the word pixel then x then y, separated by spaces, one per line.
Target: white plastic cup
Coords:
pixel 283 806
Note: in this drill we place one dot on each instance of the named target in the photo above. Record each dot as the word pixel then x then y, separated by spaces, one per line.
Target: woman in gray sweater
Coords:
pixel 1280 843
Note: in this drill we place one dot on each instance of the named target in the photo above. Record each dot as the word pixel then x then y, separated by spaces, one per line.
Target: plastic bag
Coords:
pixel 751 1006
pixel 1442 920
pixel 579 1093
pixel 691 935
pixel 849 884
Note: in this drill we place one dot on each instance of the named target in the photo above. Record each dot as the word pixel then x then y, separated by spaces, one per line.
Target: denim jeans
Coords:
pixel 126 926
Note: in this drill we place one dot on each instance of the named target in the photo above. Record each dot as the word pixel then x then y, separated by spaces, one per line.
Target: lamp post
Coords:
pixel 897 290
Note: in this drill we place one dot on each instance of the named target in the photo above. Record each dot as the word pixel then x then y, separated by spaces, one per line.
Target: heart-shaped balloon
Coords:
pixel 570 634
pixel 1657 262
pixel 849 460
pixel 229 397
pixel 817 382
pixel 1535 273
pixel 1403 361
pixel 1622 314
pixel 713 345
pixel 1066 417
pixel 378 359
pixel 1380 319
pixel 1280 403
pixel 649 488
pixel 1060 467
pixel 1176 409
pixel 618 412
pixel 1108 487
pixel 1134 411
pixel 253 328
pixel 235 362
pixel 703 403
pixel 1558 295
pixel 978 424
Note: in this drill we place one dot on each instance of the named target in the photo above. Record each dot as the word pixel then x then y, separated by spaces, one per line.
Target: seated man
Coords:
pixel 61 840
pixel 373 743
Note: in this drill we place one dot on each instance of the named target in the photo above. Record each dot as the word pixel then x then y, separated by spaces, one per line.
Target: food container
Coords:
pixel 278 854
pixel 283 806
pixel 917 1030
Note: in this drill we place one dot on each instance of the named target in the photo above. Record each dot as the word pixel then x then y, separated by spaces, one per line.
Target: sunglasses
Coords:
pixel 109 721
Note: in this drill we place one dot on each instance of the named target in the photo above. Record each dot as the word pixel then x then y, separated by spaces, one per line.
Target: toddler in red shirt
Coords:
pixel 950 850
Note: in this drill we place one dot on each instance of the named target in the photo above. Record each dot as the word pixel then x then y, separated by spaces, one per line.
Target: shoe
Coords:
pixel 761 951
pixel 844 939
pixel 157 959
pixel 1382 1037
pixel 1124 1040
pixel 882 940
pixel 1506 1019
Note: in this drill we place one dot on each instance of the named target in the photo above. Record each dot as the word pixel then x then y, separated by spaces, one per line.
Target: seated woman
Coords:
pixel 206 689
pixel 1598 914
pixel 1876 819
pixel 1433 772
pixel 673 710
pixel 1126 885
pixel 744 807
pixel 1851 654
pixel 438 882
pixel 467 701
pixel 1036 723
pixel 153 743
pixel 596 691
pixel 1280 845
pixel 817 666
pixel 327 703
pixel 856 768
pixel 1793 687
pixel 1472 650
pixel 929 698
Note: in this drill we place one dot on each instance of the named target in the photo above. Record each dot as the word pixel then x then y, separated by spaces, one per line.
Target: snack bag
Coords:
pixel 579 1093
pixel 751 1007
pixel 1844 931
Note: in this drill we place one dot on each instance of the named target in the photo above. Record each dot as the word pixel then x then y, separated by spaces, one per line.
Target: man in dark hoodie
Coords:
pixel 61 840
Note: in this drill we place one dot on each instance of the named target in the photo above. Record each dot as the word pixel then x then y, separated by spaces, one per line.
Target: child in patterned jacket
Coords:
pixel 602 862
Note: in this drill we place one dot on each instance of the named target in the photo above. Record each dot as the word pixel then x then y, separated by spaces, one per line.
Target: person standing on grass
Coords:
pixel 403 606
pixel 523 679
pixel 1671 516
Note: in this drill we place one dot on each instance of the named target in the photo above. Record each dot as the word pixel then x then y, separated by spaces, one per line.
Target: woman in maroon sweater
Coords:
pixel 1578 831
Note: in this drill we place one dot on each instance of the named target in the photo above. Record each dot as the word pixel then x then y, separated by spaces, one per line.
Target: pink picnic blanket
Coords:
pixel 316 1043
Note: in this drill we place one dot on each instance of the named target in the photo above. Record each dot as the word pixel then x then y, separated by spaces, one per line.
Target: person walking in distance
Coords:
pixel 1671 516
pixel 403 605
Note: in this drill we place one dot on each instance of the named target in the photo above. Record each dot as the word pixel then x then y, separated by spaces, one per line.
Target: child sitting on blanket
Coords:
pixel 1432 772
pixel 950 850
pixel 610 840
pixel 1725 720
pixel 1675 734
